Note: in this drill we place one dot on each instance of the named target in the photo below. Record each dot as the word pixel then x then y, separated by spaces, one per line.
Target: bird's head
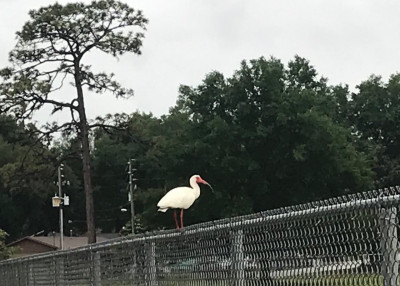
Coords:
pixel 202 181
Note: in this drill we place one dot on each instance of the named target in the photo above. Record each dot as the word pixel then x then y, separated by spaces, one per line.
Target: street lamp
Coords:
pixel 58 202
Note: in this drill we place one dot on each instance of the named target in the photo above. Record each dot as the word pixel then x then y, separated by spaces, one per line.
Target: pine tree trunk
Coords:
pixel 84 137
pixel 91 232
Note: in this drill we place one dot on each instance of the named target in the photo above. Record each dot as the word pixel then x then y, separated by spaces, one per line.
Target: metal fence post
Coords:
pixel 133 264
pixel 237 258
pixel 96 268
pixel 24 272
pixel 29 272
pixel 151 263
pixel 389 245
pixel 10 274
pixel 55 274
pixel 21 276
pixel 59 270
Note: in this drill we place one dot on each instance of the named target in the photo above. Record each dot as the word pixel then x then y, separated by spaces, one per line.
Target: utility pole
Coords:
pixel 132 187
pixel 61 208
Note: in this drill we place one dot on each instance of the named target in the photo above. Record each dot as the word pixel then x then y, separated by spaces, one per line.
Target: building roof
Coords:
pixel 32 239
pixel 70 242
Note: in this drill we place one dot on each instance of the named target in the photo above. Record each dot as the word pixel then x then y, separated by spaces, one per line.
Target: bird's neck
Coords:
pixel 196 189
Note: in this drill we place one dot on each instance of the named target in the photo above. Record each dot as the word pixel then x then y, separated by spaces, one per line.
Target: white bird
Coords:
pixel 181 198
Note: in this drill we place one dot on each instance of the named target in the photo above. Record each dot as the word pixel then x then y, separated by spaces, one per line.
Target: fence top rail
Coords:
pixel 377 198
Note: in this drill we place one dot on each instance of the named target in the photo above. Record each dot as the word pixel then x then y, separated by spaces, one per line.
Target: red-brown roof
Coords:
pixel 70 242
pixel 32 239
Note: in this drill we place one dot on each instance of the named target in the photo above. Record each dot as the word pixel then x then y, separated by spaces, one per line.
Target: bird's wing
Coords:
pixel 178 198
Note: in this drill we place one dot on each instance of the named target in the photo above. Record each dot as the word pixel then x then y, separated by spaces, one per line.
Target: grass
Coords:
pixel 342 280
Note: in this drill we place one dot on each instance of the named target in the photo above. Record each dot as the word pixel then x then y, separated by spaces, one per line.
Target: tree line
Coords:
pixel 269 136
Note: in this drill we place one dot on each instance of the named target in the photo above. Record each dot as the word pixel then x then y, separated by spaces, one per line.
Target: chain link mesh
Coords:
pixel 350 240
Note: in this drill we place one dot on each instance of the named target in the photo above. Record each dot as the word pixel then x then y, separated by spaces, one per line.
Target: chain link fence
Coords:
pixel 350 240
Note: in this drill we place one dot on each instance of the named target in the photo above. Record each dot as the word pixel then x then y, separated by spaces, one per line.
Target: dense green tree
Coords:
pixel 139 140
pixel 375 115
pixel 271 136
pixel 268 136
pixel 52 47
pixel 27 173
pixel 68 148
pixel 5 252
pixel 161 164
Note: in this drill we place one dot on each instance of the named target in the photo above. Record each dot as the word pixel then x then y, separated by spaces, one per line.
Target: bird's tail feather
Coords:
pixel 162 210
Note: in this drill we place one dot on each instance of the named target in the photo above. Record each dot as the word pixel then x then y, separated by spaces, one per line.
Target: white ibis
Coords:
pixel 181 198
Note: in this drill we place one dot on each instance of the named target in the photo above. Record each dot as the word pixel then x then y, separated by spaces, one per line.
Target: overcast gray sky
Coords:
pixel 346 40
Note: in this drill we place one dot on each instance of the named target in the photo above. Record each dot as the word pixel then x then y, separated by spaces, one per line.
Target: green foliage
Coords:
pixel 5 252
pixel 266 137
pixel 269 135
pixel 375 115
pixel 26 180
pixel 112 151
pixel 139 227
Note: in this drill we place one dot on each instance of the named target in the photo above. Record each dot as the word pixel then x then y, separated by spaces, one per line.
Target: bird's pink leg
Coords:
pixel 176 220
pixel 181 218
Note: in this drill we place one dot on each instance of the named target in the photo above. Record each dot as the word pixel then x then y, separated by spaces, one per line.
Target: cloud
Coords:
pixel 345 40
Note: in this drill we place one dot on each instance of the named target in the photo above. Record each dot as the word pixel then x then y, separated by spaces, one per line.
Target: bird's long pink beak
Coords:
pixel 200 180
